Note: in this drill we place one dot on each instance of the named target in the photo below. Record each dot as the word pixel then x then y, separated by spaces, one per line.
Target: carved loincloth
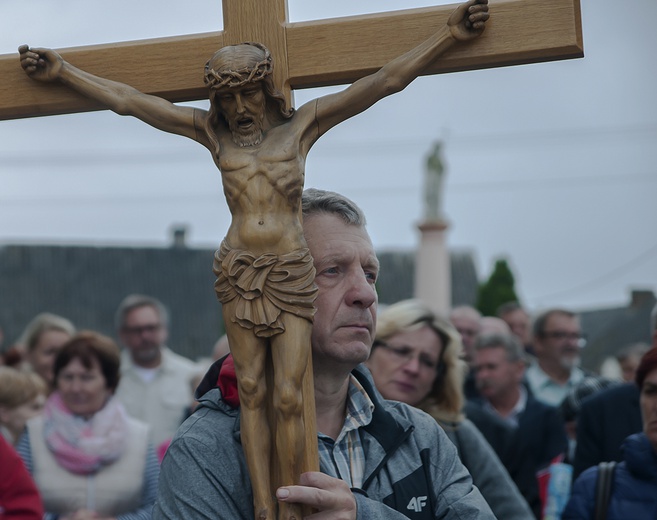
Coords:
pixel 265 286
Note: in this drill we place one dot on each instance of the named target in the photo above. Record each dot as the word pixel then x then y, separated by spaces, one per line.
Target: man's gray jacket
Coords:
pixel 412 469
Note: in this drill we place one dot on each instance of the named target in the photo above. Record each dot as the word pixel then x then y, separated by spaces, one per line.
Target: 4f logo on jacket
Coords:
pixel 411 496
pixel 417 503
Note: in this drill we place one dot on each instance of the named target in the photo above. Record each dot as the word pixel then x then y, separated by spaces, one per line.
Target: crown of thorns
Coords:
pixel 237 78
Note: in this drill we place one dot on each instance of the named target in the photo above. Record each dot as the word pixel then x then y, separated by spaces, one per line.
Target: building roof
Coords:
pixel 609 330
pixel 86 284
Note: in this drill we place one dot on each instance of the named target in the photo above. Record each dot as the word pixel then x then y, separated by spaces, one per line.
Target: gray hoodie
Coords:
pixel 412 469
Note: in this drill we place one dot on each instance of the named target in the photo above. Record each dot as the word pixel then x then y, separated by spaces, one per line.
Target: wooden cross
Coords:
pixel 306 54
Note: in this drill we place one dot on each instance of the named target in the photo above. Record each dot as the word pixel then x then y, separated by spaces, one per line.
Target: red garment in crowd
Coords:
pixel 227 382
pixel 19 497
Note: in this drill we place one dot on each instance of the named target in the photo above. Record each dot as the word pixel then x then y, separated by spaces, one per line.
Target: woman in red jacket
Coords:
pixel 19 498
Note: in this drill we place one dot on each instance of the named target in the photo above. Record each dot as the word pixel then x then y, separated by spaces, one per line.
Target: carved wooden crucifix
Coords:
pixel 307 54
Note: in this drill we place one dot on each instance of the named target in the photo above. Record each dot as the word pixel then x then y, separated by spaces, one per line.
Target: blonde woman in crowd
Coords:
pixel 42 339
pixel 416 359
pixel 22 396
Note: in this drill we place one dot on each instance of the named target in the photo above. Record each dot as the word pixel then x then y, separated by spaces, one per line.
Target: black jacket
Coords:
pixel 605 419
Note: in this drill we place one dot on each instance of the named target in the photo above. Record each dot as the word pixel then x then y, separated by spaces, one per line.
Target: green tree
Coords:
pixel 498 289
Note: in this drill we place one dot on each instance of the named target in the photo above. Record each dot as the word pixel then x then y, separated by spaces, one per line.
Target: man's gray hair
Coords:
pixel 507 308
pixel 653 319
pixel 512 347
pixel 135 301
pixel 542 319
pixel 316 201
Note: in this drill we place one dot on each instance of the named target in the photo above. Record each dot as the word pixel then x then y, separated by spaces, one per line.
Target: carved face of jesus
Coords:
pixel 244 108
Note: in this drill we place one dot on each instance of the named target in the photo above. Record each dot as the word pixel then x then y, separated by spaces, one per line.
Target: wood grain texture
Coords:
pixel 262 22
pixel 307 54
pixel 147 65
pixel 342 50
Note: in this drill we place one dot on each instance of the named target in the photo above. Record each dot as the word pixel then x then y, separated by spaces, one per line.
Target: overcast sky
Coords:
pixel 552 166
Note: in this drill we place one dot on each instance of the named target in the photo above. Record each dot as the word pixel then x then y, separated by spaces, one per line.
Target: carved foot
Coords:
pixel 265 514
pixel 289 512
pixel 265 508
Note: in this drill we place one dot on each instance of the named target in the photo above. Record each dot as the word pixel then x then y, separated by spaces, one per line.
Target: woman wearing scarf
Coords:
pixel 415 359
pixel 88 458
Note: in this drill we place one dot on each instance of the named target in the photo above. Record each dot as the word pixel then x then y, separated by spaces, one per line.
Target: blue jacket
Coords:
pixel 409 460
pixel 634 489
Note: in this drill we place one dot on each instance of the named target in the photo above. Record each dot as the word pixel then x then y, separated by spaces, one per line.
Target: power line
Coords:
pixel 554 182
pixel 358 147
pixel 606 277
pixel 506 185
pixel 494 138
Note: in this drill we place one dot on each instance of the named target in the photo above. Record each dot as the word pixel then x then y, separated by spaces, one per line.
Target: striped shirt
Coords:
pixel 344 457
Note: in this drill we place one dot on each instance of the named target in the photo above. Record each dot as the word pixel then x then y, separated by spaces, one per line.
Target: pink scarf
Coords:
pixel 84 446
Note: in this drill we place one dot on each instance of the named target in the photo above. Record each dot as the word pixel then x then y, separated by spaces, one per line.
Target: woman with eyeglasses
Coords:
pixel 416 359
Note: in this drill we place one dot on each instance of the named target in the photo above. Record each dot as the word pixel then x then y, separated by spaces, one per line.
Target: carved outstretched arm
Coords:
pixel 48 66
pixel 466 23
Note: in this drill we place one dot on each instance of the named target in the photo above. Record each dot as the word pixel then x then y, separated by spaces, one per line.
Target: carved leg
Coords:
pixel 249 354
pixel 290 356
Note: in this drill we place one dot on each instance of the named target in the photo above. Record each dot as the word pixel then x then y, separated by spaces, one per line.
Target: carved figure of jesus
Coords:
pixel 265 275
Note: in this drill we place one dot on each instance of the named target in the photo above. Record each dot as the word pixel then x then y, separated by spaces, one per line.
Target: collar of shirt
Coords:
pixel 514 415
pixel 345 456
pixel 547 390
pixel 127 365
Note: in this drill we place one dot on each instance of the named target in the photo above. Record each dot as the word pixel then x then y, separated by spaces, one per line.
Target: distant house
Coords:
pixel 609 330
pixel 397 277
pixel 86 284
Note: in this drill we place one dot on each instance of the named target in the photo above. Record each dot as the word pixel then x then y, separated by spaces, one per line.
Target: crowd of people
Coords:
pixel 418 415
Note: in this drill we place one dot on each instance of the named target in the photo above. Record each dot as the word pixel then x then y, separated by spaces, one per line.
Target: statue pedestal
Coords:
pixel 433 284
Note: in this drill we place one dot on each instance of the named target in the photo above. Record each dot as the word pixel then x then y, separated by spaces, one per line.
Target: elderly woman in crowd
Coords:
pixel 88 458
pixel 634 485
pixel 41 341
pixel 22 396
pixel 416 359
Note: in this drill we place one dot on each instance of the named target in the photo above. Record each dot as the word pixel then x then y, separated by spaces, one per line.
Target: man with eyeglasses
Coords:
pixel 558 340
pixel 154 385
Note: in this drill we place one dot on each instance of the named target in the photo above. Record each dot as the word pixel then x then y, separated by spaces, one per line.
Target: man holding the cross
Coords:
pixel 264 269
pixel 379 460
